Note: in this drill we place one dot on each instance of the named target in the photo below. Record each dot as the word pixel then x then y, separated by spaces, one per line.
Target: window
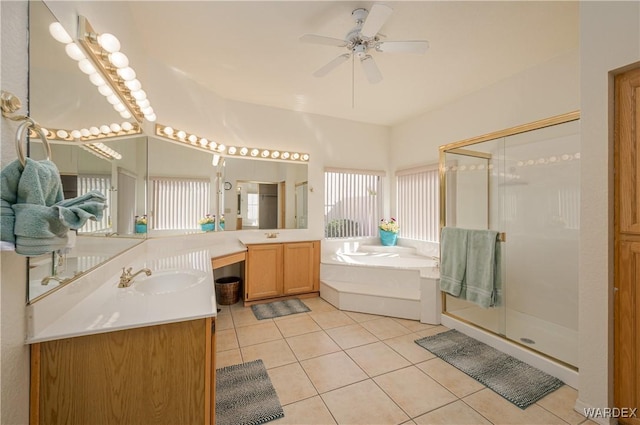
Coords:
pixel 179 203
pixel 352 203
pixel 418 203
pixel 101 183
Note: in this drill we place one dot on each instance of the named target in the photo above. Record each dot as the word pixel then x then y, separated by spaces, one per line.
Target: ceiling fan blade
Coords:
pixel 371 69
pixel 331 65
pixel 375 20
pixel 320 39
pixel 417 46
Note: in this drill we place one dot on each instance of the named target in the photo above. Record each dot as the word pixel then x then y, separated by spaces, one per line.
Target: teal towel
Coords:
pixel 9 178
pixel 453 260
pixel 7 221
pixel 480 280
pixel 39 184
pixel 91 196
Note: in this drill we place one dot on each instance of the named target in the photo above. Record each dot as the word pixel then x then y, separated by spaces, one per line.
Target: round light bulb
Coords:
pixel 147 111
pixel 127 73
pixel 105 129
pixel 168 131
pixel 254 152
pixel 244 151
pixel 97 80
pixel 105 90
pixel 181 135
pixel 143 103
pixel 113 99
pixel 295 156
pixel 62 134
pixel 115 127
pixel 139 94
pixel 76 134
pixel 59 33
pixel 305 157
pixel 275 154
pixel 193 138
pixel 74 52
pixel 119 107
pixel 86 66
pixel 204 142
pixel 232 150
pixel 222 148
pixel 119 59
pixel 109 42
pixel 127 126
pixel 212 145
pixel 85 132
pixel 94 131
pixel 125 114
pixel 285 155
pixel 151 117
pixel 133 85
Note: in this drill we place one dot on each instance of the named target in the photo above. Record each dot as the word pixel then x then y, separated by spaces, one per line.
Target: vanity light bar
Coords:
pixel 108 69
pixel 92 133
pixel 102 151
pixel 204 144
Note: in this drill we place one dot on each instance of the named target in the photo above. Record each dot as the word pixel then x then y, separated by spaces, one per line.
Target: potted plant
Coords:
pixel 208 223
pixel 221 222
pixel 388 231
pixel 141 223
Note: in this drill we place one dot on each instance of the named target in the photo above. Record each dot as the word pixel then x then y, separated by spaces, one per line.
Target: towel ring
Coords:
pixel 23 132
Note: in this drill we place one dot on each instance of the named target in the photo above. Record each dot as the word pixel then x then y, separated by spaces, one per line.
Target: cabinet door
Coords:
pixel 299 267
pixel 263 271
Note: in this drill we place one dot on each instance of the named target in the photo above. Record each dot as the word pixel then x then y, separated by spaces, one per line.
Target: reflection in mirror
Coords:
pixel 177 172
pixel 62 97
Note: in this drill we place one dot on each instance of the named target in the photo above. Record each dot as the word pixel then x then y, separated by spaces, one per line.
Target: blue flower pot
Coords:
pixel 388 238
pixel 221 226
pixel 141 228
pixel 208 227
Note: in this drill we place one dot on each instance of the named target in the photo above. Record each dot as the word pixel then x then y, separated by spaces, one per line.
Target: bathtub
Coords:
pixel 398 281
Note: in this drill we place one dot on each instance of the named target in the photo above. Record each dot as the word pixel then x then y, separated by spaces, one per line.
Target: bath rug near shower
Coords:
pixel 279 308
pixel 516 381
pixel 245 395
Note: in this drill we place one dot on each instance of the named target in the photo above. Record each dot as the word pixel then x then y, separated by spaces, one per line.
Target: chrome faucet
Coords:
pixel 126 278
pixel 45 281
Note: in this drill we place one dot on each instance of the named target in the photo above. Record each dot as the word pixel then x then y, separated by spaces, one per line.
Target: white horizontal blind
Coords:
pixel 179 203
pixel 418 203
pixel 352 203
pixel 101 183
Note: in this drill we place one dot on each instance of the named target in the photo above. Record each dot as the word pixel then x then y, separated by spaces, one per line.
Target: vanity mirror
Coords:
pixel 62 97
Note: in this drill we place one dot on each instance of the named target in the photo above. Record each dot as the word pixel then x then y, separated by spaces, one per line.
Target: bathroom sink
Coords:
pixel 167 281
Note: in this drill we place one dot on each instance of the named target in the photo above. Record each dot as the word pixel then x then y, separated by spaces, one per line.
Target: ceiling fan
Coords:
pixel 363 39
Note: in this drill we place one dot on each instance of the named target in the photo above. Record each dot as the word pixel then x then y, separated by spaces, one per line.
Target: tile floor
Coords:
pixel 338 367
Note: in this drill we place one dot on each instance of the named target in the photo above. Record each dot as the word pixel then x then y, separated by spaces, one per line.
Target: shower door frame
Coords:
pixel 460 149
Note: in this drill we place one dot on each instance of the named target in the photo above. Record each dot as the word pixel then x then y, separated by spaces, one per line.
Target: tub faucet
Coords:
pixel 126 278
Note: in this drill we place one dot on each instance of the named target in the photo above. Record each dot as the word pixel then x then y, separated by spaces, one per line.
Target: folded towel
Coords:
pixel 480 279
pixel 76 216
pixel 91 196
pixel 34 247
pixel 9 178
pixel 39 184
pixel 453 259
pixel 7 221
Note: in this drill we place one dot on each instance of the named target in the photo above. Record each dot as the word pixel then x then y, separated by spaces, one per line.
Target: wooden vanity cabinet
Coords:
pixel 282 269
pixel 162 374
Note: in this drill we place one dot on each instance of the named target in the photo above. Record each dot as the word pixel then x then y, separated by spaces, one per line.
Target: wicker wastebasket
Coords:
pixel 228 290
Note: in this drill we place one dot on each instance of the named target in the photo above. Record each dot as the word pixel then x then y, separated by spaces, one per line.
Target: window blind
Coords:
pixel 418 203
pixel 179 203
pixel 101 183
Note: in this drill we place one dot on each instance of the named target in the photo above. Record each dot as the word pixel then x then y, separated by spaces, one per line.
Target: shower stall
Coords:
pixel 523 182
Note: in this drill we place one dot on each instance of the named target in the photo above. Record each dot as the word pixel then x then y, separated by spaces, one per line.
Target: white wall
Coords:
pixel 14 354
pixel 610 40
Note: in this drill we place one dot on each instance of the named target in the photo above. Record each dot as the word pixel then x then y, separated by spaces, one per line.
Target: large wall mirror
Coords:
pixel 62 97
pixel 185 184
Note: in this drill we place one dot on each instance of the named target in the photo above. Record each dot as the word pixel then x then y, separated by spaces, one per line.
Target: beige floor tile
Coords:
pixel 312 345
pixel 273 353
pixel 224 321
pixel 228 358
pixel 311 411
pixel 377 358
pixel 291 383
pixel 361 317
pixel 561 402
pixel 332 371
pixel 331 319
pixel 385 328
pixel 317 304
pixel 363 403
pixel 457 413
pixel 226 339
pixel 414 391
pixel 256 334
pixel 351 336
pixel 405 346
pixel 450 377
pixel 245 317
pixel 414 325
pixel 301 324
pixel 501 412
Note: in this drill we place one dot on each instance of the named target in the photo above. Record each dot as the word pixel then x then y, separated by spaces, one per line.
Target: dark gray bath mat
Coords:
pixel 279 308
pixel 516 381
pixel 245 395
